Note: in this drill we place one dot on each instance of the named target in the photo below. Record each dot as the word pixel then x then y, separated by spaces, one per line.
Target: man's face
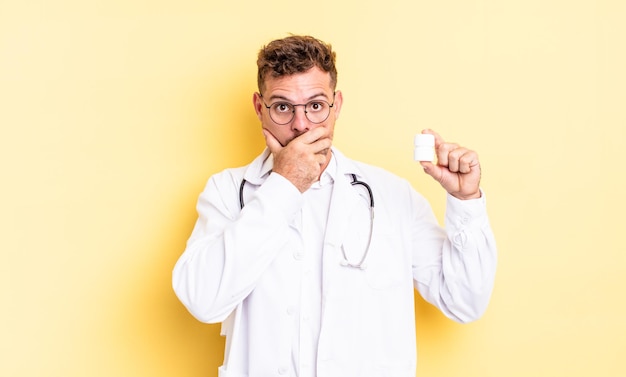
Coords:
pixel 300 88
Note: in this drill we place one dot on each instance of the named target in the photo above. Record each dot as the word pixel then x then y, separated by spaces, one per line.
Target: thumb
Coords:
pixel 432 170
pixel 272 143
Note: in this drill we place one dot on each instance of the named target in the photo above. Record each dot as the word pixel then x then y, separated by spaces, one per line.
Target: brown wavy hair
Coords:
pixel 295 54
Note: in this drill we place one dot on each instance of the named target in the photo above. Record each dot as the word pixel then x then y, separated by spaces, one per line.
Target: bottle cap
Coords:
pixel 424 140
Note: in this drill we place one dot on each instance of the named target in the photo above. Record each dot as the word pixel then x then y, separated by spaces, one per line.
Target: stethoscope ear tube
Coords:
pixel 241 186
pixel 369 189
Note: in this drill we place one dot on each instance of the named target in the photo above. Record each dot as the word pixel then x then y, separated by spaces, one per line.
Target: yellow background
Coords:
pixel 114 114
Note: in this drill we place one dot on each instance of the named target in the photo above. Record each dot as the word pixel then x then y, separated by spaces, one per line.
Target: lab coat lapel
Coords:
pixel 343 202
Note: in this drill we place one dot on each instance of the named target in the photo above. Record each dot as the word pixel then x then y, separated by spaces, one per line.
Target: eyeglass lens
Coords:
pixel 284 112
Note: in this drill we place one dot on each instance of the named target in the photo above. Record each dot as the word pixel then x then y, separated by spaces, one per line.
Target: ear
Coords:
pixel 338 103
pixel 257 101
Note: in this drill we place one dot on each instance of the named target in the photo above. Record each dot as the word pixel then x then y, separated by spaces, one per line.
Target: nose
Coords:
pixel 300 122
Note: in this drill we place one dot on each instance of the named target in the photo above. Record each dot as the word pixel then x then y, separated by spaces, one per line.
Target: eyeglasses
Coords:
pixel 316 111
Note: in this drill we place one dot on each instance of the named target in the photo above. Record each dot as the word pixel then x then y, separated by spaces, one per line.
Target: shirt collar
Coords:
pixel 266 166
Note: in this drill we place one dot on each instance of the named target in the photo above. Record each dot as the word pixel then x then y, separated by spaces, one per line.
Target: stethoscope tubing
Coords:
pixel 353 183
pixel 345 262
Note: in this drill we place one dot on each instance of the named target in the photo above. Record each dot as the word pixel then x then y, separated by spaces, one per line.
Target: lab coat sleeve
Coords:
pixel 230 249
pixel 457 273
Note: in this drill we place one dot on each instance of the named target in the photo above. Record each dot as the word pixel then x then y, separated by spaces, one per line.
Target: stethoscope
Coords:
pixel 345 262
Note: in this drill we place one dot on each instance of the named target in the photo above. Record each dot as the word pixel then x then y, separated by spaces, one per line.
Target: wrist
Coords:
pixel 475 195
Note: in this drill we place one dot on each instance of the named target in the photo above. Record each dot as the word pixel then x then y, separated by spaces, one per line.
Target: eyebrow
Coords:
pixel 277 96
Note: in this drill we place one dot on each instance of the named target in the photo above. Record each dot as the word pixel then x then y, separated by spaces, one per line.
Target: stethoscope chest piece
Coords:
pixel 344 262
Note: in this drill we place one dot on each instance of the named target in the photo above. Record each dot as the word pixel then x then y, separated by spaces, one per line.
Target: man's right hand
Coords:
pixel 302 160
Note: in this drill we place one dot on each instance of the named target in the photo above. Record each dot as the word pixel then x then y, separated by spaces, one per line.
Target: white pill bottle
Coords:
pixel 424 147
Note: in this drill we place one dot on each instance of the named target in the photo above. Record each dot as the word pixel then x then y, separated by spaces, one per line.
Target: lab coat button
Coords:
pixel 282 370
pixel 298 255
pixel 291 310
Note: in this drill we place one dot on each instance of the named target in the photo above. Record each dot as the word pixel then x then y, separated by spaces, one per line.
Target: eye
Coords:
pixel 282 107
pixel 316 106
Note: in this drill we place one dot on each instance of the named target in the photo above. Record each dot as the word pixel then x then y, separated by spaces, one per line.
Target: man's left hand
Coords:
pixel 457 168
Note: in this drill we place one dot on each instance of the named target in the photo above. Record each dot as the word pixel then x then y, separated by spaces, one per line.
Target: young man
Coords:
pixel 287 252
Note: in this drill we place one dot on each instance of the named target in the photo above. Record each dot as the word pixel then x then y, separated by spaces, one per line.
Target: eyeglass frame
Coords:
pixel 293 112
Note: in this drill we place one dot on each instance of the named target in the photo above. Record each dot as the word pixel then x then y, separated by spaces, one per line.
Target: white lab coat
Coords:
pixel 241 268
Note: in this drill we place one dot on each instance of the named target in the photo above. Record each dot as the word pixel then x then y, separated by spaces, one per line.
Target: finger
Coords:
pixel 462 160
pixel 323 152
pixel 312 135
pixel 438 139
pixel 442 148
pixel 454 158
pixel 443 153
pixel 316 141
pixel 321 146
pixel 433 170
pixel 468 161
pixel 321 158
pixel 272 143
